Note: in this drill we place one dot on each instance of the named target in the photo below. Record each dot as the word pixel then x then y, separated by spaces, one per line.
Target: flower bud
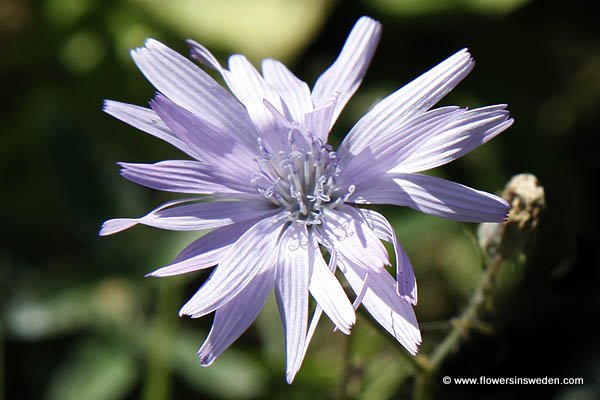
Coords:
pixel 511 238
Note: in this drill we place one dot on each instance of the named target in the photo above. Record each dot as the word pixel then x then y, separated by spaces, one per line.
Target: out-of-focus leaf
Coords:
pixel 420 7
pixel 258 29
pixel 461 264
pixel 323 363
pixel 235 374
pixel 83 51
pixel 129 29
pixel 494 6
pixel 94 371
pixel 36 317
pixel 380 364
pixel 270 331
pixel 367 337
pixel 413 7
pixel 63 13
pixel 385 374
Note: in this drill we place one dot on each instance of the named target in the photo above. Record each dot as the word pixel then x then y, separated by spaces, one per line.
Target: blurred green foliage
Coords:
pixel 79 321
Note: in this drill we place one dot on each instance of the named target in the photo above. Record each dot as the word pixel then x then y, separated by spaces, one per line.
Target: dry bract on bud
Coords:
pixel 527 200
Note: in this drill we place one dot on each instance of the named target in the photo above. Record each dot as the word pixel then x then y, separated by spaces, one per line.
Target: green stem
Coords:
pixel 421 391
pixel 460 326
pixel 343 390
pixel 468 317
pixel 157 381
pixel 507 241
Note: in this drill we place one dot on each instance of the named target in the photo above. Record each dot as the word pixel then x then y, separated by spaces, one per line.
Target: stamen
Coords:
pixel 301 181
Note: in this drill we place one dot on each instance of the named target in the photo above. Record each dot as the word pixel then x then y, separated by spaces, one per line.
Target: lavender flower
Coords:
pixel 276 196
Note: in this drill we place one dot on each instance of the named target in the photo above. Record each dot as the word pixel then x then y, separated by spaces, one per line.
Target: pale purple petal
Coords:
pixel 192 217
pixel 181 176
pixel 116 225
pixel 328 293
pixel 348 233
pixel 251 89
pixel 231 160
pixel 409 101
pixel 301 135
pixel 433 196
pixel 318 309
pixel 253 253
pixel 203 55
pixel 405 276
pixel 233 318
pixel 433 138
pixel 206 251
pixel 120 224
pixel 344 76
pixel 360 294
pixel 294 268
pixel 294 92
pixel 459 137
pixel 382 301
pixel 189 86
pixel 246 83
pixel 208 258
pixel 319 120
pixel 386 151
pixel 148 121
pixel 312 328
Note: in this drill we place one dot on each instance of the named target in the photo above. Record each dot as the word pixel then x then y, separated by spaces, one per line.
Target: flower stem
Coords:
pixel 343 389
pixel 460 326
pixel 157 381
pixel 468 317
pixel 421 391
pixel 499 243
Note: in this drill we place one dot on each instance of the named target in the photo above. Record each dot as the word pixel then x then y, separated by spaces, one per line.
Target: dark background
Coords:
pixel 79 321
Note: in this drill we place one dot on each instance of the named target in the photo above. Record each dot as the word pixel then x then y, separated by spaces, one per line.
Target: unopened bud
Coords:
pixel 511 238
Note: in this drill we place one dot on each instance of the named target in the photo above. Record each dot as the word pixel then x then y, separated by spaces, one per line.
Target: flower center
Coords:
pixel 302 180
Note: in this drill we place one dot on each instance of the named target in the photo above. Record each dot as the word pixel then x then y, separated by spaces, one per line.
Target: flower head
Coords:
pixel 276 197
